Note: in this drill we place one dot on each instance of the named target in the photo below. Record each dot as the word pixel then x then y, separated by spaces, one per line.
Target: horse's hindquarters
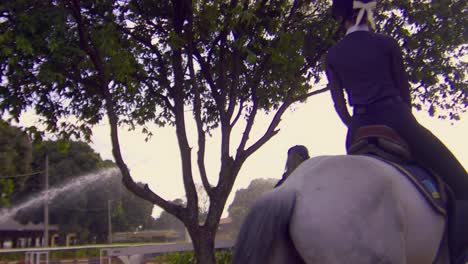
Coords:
pixel 424 227
pixel 360 210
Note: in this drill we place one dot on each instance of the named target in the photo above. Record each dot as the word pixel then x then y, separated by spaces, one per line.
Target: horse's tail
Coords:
pixel 267 221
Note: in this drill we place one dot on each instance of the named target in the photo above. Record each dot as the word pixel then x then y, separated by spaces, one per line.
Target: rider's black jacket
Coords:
pixel 369 67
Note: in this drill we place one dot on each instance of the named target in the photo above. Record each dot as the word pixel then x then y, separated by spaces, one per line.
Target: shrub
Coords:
pixel 221 256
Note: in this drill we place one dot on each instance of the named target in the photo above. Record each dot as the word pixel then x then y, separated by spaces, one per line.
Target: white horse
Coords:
pixel 343 209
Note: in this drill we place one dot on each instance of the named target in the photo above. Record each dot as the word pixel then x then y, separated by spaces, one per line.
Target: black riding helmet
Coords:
pixel 300 150
pixel 345 9
pixel 342 9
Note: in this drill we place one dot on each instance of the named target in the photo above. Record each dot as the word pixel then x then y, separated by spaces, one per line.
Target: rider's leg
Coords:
pixel 431 152
pixel 458 232
pixel 426 147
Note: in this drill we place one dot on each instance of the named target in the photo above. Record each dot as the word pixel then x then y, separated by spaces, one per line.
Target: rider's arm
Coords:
pixel 338 97
pixel 399 73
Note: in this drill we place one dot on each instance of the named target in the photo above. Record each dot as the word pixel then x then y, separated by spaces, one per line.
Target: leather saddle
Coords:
pixel 382 141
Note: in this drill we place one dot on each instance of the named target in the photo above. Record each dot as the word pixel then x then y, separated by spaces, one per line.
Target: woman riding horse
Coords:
pixel 369 67
pixel 296 155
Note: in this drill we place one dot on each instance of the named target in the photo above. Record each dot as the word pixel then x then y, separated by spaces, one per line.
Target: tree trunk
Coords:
pixel 204 244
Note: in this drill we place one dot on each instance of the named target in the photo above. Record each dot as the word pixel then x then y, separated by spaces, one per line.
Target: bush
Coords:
pixel 221 256
pixel 72 254
pixel 11 256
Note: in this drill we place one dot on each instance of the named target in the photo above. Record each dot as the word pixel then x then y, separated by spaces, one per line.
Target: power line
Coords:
pixel 22 175
pixel 80 209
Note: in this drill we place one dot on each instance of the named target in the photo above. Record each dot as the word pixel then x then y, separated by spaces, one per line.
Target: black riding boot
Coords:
pixel 458 232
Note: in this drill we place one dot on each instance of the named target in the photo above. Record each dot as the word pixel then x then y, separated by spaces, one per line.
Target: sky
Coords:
pixel 313 124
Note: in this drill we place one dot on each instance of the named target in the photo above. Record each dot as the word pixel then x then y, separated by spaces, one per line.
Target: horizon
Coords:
pixel 147 161
pixel 324 134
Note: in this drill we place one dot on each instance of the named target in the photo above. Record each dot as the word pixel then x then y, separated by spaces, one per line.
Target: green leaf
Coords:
pixel 63 145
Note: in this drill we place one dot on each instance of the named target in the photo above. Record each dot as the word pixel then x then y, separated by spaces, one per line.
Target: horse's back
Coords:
pixel 357 209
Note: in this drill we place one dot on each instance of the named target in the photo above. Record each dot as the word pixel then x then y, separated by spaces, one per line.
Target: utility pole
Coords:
pixel 46 202
pixel 109 222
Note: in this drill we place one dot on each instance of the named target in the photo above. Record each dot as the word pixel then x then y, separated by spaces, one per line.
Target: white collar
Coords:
pixel 357 28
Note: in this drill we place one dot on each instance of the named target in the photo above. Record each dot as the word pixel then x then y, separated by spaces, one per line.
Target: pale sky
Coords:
pixel 313 124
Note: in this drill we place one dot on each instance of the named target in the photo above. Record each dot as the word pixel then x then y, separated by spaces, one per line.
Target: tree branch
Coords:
pixel 164 98
pixel 205 69
pixel 143 192
pixel 271 131
pixel 178 94
pixel 239 113
pixel 307 95
pixel 198 115
pixel 249 125
pixel 225 125
pixel 250 121
pixel 147 43
pixel 236 72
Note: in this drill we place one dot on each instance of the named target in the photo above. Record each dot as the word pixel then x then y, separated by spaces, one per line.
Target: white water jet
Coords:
pixel 75 184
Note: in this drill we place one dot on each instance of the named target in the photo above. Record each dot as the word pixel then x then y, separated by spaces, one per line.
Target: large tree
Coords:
pixel 141 62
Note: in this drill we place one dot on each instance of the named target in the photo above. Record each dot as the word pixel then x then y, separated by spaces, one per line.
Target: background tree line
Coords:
pixel 84 211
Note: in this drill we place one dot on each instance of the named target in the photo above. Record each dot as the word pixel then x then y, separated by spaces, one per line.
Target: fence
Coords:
pixel 135 254
pixel 126 254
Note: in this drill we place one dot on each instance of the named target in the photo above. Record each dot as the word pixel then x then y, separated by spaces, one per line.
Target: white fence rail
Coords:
pixel 135 254
pixel 128 254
